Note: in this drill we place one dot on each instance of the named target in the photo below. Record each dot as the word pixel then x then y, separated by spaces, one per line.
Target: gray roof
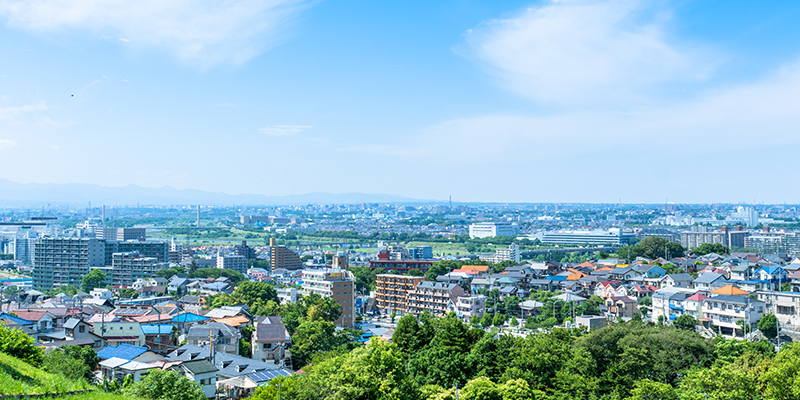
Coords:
pixel 708 277
pixel 218 329
pixel 229 365
pixel 684 277
pixel 271 332
pixel 197 367
pixel 71 323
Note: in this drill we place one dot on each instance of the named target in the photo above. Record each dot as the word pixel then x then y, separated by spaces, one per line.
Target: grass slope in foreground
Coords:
pixel 19 377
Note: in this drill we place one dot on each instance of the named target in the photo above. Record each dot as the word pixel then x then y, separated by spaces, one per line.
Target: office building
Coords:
pixel 391 291
pixel 128 267
pixel 336 284
pixel 491 229
pixel 64 261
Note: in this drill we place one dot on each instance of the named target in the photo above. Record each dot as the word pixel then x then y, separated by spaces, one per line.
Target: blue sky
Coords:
pixel 574 101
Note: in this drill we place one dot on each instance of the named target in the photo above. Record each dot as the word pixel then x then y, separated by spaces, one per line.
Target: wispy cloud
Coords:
pixel 586 52
pixel 283 130
pixel 762 114
pixel 198 32
pixel 7 143
pixel 12 113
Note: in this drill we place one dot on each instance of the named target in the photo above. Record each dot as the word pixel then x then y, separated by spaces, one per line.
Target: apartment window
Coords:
pixel 81 329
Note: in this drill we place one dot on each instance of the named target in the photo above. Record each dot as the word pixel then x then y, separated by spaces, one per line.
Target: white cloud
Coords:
pixel 12 113
pixel 6 144
pixel 283 130
pixel 763 114
pixel 586 52
pixel 197 32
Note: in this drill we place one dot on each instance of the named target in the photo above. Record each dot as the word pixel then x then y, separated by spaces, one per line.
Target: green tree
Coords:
pixel 166 385
pixel 94 279
pixel 782 379
pixel 647 389
pixel 249 292
pixel 486 320
pixel 768 325
pixel 406 336
pixel 685 321
pixel 498 320
pixel 708 248
pixel 654 247
pixel 17 343
pixel 57 361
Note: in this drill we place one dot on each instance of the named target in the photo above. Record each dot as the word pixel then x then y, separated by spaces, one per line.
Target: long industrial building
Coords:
pixel 613 236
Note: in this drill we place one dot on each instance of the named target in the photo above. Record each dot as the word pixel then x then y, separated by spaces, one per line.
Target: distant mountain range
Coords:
pixel 36 194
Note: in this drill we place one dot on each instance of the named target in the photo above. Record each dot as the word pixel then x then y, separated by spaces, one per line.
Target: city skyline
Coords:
pixel 549 101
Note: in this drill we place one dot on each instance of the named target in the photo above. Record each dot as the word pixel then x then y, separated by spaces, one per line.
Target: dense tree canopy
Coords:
pixel 94 279
pixel 652 247
pixel 708 248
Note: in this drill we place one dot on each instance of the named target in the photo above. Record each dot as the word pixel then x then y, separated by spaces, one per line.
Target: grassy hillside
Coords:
pixel 19 377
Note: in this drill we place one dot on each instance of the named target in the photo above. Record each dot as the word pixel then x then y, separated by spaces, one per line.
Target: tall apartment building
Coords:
pixel 23 246
pixel 120 234
pixel 421 252
pixel 64 261
pixel 151 248
pixel 508 254
pixel 436 297
pixel 127 267
pixel 599 236
pixel 701 235
pixel 491 229
pixel 773 242
pixel 284 257
pixel 236 263
pixel 244 250
pixel 336 284
pixel 391 291
pixel 340 260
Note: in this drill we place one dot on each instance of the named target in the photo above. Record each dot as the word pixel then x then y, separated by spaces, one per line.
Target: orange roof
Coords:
pixel 605 269
pixel 587 264
pixel 466 271
pixel 479 268
pixel 729 290
pixel 234 321
pixel 574 276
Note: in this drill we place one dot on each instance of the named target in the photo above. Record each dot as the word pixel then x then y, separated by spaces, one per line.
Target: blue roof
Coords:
pixel 265 376
pixel 153 329
pixel 123 351
pixel 770 269
pixel 189 317
pixel 557 278
pixel 17 320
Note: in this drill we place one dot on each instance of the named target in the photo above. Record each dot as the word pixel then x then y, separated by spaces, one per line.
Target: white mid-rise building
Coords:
pixel 491 229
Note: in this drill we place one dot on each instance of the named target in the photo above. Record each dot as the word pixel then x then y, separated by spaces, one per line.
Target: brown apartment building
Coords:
pixel 391 291
pixel 436 297
pixel 337 284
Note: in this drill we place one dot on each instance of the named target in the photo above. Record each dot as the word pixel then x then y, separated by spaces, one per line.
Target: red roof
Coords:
pixel 697 297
